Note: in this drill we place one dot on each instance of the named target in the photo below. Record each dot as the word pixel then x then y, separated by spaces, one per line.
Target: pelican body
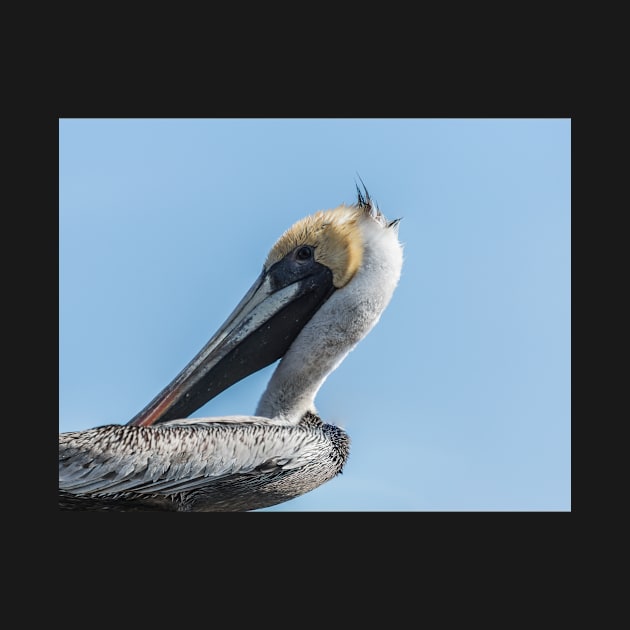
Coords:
pixel 323 287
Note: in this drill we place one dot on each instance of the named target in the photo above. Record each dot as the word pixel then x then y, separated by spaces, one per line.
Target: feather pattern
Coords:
pixel 199 465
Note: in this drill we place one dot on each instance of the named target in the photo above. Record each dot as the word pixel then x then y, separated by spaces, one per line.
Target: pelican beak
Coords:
pixel 258 332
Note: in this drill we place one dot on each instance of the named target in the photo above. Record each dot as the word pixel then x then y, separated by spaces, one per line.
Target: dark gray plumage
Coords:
pixel 200 466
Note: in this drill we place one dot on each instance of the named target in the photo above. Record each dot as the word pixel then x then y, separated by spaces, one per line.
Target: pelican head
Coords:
pixel 322 288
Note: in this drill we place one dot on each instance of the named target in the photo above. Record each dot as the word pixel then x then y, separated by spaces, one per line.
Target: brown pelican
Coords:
pixel 323 287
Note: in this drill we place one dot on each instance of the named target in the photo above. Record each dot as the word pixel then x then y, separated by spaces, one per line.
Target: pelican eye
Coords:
pixel 304 253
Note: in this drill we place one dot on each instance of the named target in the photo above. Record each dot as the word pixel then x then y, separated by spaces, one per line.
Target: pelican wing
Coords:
pixel 179 456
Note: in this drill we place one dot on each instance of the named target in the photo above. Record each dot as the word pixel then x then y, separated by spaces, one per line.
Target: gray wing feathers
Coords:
pixel 165 459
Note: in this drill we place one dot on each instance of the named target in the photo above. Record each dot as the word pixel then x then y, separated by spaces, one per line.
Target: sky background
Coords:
pixel 458 400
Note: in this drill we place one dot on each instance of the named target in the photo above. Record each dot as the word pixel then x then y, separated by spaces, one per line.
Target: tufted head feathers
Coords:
pixel 335 235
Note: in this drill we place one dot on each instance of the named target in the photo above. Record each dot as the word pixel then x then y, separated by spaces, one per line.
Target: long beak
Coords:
pixel 258 332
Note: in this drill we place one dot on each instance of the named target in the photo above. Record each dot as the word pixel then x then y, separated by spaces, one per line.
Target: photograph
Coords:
pixel 315 314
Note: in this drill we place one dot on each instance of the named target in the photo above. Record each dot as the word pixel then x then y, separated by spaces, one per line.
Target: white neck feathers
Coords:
pixel 336 328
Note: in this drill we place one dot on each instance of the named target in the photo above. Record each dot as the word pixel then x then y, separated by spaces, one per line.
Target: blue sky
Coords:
pixel 458 400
